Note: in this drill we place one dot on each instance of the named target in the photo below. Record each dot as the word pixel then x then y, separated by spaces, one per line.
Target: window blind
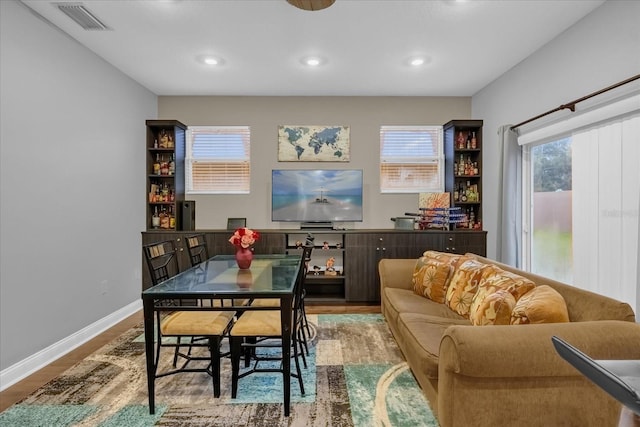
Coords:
pixel 218 160
pixel 411 159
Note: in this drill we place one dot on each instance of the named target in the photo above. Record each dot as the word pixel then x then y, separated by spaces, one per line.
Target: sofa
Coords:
pixel 489 360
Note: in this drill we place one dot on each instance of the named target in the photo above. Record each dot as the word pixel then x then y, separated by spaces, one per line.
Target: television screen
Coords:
pixel 316 195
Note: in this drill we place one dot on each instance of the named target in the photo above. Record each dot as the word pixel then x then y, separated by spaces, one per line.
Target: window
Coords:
pixel 218 160
pixel 550 215
pixel 581 196
pixel 411 159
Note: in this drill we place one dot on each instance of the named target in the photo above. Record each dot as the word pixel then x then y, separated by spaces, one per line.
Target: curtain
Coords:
pixel 509 241
pixel 606 196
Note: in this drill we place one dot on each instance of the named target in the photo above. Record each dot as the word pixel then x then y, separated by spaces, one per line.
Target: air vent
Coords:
pixel 82 16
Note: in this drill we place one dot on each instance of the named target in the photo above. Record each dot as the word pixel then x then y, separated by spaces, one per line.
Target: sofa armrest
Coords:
pixel 396 273
pixel 526 350
pixel 518 367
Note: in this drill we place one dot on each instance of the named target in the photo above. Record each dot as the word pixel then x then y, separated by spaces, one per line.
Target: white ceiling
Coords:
pixel 366 43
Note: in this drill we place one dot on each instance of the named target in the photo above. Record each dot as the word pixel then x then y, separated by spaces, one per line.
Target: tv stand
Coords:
pixel 316 225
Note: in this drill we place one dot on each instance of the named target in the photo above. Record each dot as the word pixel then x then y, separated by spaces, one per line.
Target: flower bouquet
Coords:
pixel 243 238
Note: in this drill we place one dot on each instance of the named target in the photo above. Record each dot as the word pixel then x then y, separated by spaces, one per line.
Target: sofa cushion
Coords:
pixel 446 257
pixel 464 285
pixel 542 304
pixel 496 278
pixel 492 307
pixel 431 278
pixel 420 339
pixel 405 301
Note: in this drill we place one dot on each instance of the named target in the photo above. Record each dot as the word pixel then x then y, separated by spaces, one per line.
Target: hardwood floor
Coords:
pixel 23 388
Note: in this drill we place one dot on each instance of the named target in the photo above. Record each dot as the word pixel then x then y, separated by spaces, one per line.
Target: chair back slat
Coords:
pixel 162 260
pixel 197 248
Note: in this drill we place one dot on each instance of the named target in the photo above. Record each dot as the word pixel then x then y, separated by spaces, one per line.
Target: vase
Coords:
pixel 244 256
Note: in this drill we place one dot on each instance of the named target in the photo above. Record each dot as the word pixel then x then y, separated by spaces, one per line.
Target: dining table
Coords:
pixel 219 278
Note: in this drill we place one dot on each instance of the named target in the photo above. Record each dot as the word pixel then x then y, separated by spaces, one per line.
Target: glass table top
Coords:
pixel 220 276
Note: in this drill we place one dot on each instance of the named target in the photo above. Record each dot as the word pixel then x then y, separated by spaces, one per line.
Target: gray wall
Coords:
pixel 72 185
pixel 364 115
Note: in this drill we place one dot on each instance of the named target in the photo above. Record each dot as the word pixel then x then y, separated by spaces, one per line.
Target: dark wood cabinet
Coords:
pixel 356 254
pixel 463 170
pixel 165 173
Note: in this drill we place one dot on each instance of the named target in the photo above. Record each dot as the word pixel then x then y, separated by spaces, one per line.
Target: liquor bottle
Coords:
pixel 172 218
pixel 460 140
pixel 463 194
pixel 164 166
pixel 172 165
pixel 469 192
pixel 456 194
pixel 156 165
pixel 469 141
pixel 155 143
pixel 476 171
pixel 155 219
pixel 474 141
pixel 164 218
pixel 461 165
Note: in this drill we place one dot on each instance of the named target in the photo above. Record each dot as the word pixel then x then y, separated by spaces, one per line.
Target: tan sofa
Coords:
pixel 499 375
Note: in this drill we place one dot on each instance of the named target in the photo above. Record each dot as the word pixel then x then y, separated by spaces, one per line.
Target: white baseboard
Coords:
pixel 33 363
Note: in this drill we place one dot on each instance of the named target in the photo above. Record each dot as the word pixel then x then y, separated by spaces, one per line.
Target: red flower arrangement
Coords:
pixel 244 237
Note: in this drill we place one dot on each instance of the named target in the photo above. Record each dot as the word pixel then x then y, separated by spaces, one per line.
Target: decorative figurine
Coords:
pixel 325 245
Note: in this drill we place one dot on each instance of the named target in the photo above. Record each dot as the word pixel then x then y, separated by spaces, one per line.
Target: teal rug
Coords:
pixel 356 376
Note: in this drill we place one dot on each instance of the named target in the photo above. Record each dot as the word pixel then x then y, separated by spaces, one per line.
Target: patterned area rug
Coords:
pixel 356 377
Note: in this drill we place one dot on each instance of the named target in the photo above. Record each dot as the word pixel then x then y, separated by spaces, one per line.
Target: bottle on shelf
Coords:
pixel 460 140
pixel 156 165
pixel 172 165
pixel 469 141
pixel 164 219
pixel 172 218
pixel 155 219
pixel 474 141
pixel 164 166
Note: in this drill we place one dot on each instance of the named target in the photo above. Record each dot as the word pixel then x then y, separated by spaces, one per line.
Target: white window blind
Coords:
pixel 411 159
pixel 218 160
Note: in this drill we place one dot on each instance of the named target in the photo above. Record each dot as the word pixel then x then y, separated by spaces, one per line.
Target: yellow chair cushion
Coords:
pixel 431 279
pixel 196 323
pixel 258 323
pixel 542 304
pixel 266 302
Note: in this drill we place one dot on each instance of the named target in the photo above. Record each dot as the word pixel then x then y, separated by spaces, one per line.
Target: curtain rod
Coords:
pixel 572 105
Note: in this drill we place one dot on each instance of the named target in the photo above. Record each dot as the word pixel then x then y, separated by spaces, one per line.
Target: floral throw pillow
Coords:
pixel 431 279
pixel 492 307
pixel 464 285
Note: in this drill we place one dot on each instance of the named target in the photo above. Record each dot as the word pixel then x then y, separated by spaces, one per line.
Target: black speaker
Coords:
pixel 188 210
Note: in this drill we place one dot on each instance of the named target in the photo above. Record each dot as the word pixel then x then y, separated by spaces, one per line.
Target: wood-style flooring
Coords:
pixel 23 388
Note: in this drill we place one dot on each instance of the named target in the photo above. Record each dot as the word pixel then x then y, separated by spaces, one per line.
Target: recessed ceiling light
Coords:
pixel 417 61
pixel 313 61
pixel 210 60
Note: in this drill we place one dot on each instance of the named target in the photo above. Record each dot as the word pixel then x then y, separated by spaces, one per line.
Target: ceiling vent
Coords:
pixel 82 16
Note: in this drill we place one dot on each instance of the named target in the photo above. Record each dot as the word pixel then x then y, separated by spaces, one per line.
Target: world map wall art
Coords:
pixel 313 143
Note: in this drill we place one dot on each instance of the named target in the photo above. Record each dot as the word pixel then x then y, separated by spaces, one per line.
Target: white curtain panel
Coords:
pixel 509 242
pixel 606 197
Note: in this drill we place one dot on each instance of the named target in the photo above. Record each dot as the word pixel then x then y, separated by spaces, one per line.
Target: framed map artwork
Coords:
pixel 313 143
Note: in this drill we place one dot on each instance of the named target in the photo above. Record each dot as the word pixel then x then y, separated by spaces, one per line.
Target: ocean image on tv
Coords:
pixel 316 195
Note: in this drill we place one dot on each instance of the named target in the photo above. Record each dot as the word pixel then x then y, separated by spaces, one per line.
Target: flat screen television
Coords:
pixel 316 195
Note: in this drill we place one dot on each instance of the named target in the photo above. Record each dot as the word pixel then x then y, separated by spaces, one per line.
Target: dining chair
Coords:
pixel 272 302
pixel 263 329
pixel 197 248
pixel 202 328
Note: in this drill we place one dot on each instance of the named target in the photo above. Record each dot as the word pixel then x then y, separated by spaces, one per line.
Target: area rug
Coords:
pixel 355 376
